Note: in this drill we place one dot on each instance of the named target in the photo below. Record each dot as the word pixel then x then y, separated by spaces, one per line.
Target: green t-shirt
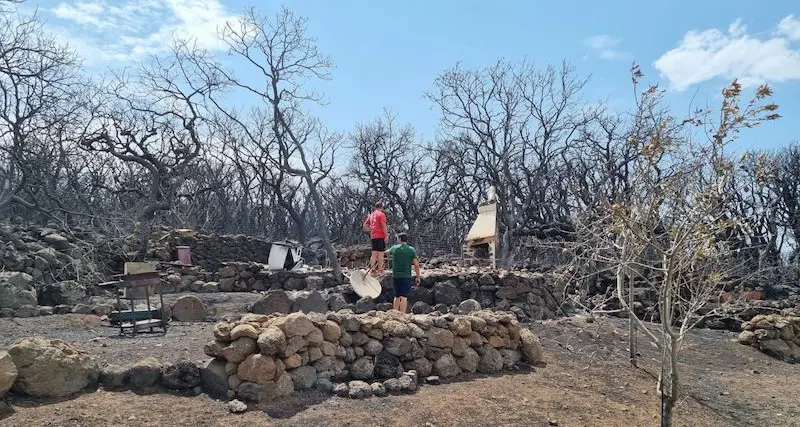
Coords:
pixel 403 256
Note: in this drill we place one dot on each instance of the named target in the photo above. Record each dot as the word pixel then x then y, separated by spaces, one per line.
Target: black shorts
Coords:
pixel 378 245
pixel 402 286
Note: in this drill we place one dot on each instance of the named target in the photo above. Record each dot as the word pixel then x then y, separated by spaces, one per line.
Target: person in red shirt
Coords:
pixel 375 224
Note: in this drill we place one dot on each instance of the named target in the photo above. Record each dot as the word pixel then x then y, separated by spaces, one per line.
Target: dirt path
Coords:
pixel 588 382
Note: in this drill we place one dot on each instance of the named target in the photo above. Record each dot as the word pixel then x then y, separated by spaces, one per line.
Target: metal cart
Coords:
pixel 139 282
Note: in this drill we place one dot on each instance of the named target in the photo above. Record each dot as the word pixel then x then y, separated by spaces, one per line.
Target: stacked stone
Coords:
pixel 263 357
pixel 775 335
pixel 210 250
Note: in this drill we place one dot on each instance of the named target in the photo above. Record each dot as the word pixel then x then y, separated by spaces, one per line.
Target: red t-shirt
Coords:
pixel 376 220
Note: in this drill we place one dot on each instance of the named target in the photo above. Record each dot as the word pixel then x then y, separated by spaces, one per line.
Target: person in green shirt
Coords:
pixel 403 257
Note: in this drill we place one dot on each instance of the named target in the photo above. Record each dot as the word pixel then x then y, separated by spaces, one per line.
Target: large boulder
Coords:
pixel 68 292
pixel 181 375
pixel 530 346
pixel 273 302
pixel 16 290
pixel 214 379
pixel 8 373
pixel 309 302
pixel 51 368
pixel 447 292
pixel 189 308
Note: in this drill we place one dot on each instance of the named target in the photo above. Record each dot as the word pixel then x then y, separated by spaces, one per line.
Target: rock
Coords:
pixel 440 337
pixel 336 302
pixel 57 241
pixel 491 360
pixel 294 324
pixel 373 347
pixel 433 380
pixel 378 390
pixel 214 379
pixel 324 384
pixel 387 365
pixel 510 358
pixel 341 390
pixel 309 302
pixel 62 309
pixel 51 368
pixel 258 369
pixel 447 293
pixel 244 330
pixel 364 305
pixel 144 373
pixel 315 283
pixel 362 369
pixel 393 385
pixel 189 308
pixel 446 366
pixel 26 311
pixel 271 341
pixel 421 365
pixel 441 308
pixel 331 331
pixel 82 309
pixel 530 346
pixel 272 302
pixel 303 377
pixel 8 373
pixel 45 310
pixel 102 309
pixel 407 384
pixel 293 361
pixel 776 348
pixel 16 290
pixel 208 287
pixel 398 346
pixel 236 406
pixel 250 392
pixel 113 377
pixel 486 280
pixel 470 361
pixel 468 306
pixel 421 307
pixel 746 337
pixel 359 390
pixel 181 375
pixel 383 306
pixel 239 350
pixel 68 292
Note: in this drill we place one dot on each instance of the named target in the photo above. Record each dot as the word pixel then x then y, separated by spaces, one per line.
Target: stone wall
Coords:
pixel 775 335
pixel 211 250
pixel 263 357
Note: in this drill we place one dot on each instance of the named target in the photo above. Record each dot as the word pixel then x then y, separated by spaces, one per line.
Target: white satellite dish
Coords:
pixel 365 285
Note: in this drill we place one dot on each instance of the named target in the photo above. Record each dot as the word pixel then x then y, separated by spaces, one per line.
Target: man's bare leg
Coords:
pixel 396 303
pixel 380 261
pixel 403 304
pixel 373 259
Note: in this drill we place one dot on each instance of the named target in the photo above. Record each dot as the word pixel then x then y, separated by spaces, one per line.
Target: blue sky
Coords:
pixel 389 53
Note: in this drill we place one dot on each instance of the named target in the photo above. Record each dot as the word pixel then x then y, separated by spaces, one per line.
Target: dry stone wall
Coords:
pixel 211 250
pixel 775 335
pixel 263 357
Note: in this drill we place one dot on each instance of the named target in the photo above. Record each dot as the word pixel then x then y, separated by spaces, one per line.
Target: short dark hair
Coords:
pixel 403 237
pixel 378 205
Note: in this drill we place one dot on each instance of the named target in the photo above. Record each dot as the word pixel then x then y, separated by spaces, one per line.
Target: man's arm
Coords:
pixel 385 229
pixel 416 271
pixel 366 224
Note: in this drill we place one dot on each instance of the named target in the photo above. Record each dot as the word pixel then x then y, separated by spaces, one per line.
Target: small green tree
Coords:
pixel 665 234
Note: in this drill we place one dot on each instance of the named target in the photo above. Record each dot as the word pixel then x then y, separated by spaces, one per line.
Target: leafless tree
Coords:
pixel 285 61
pixel 508 124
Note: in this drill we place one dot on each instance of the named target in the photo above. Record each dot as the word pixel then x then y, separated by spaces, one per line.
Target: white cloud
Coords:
pixel 709 54
pixel 126 30
pixel 606 46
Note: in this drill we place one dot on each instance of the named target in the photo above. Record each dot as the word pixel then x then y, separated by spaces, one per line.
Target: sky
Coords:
pixel 388 53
